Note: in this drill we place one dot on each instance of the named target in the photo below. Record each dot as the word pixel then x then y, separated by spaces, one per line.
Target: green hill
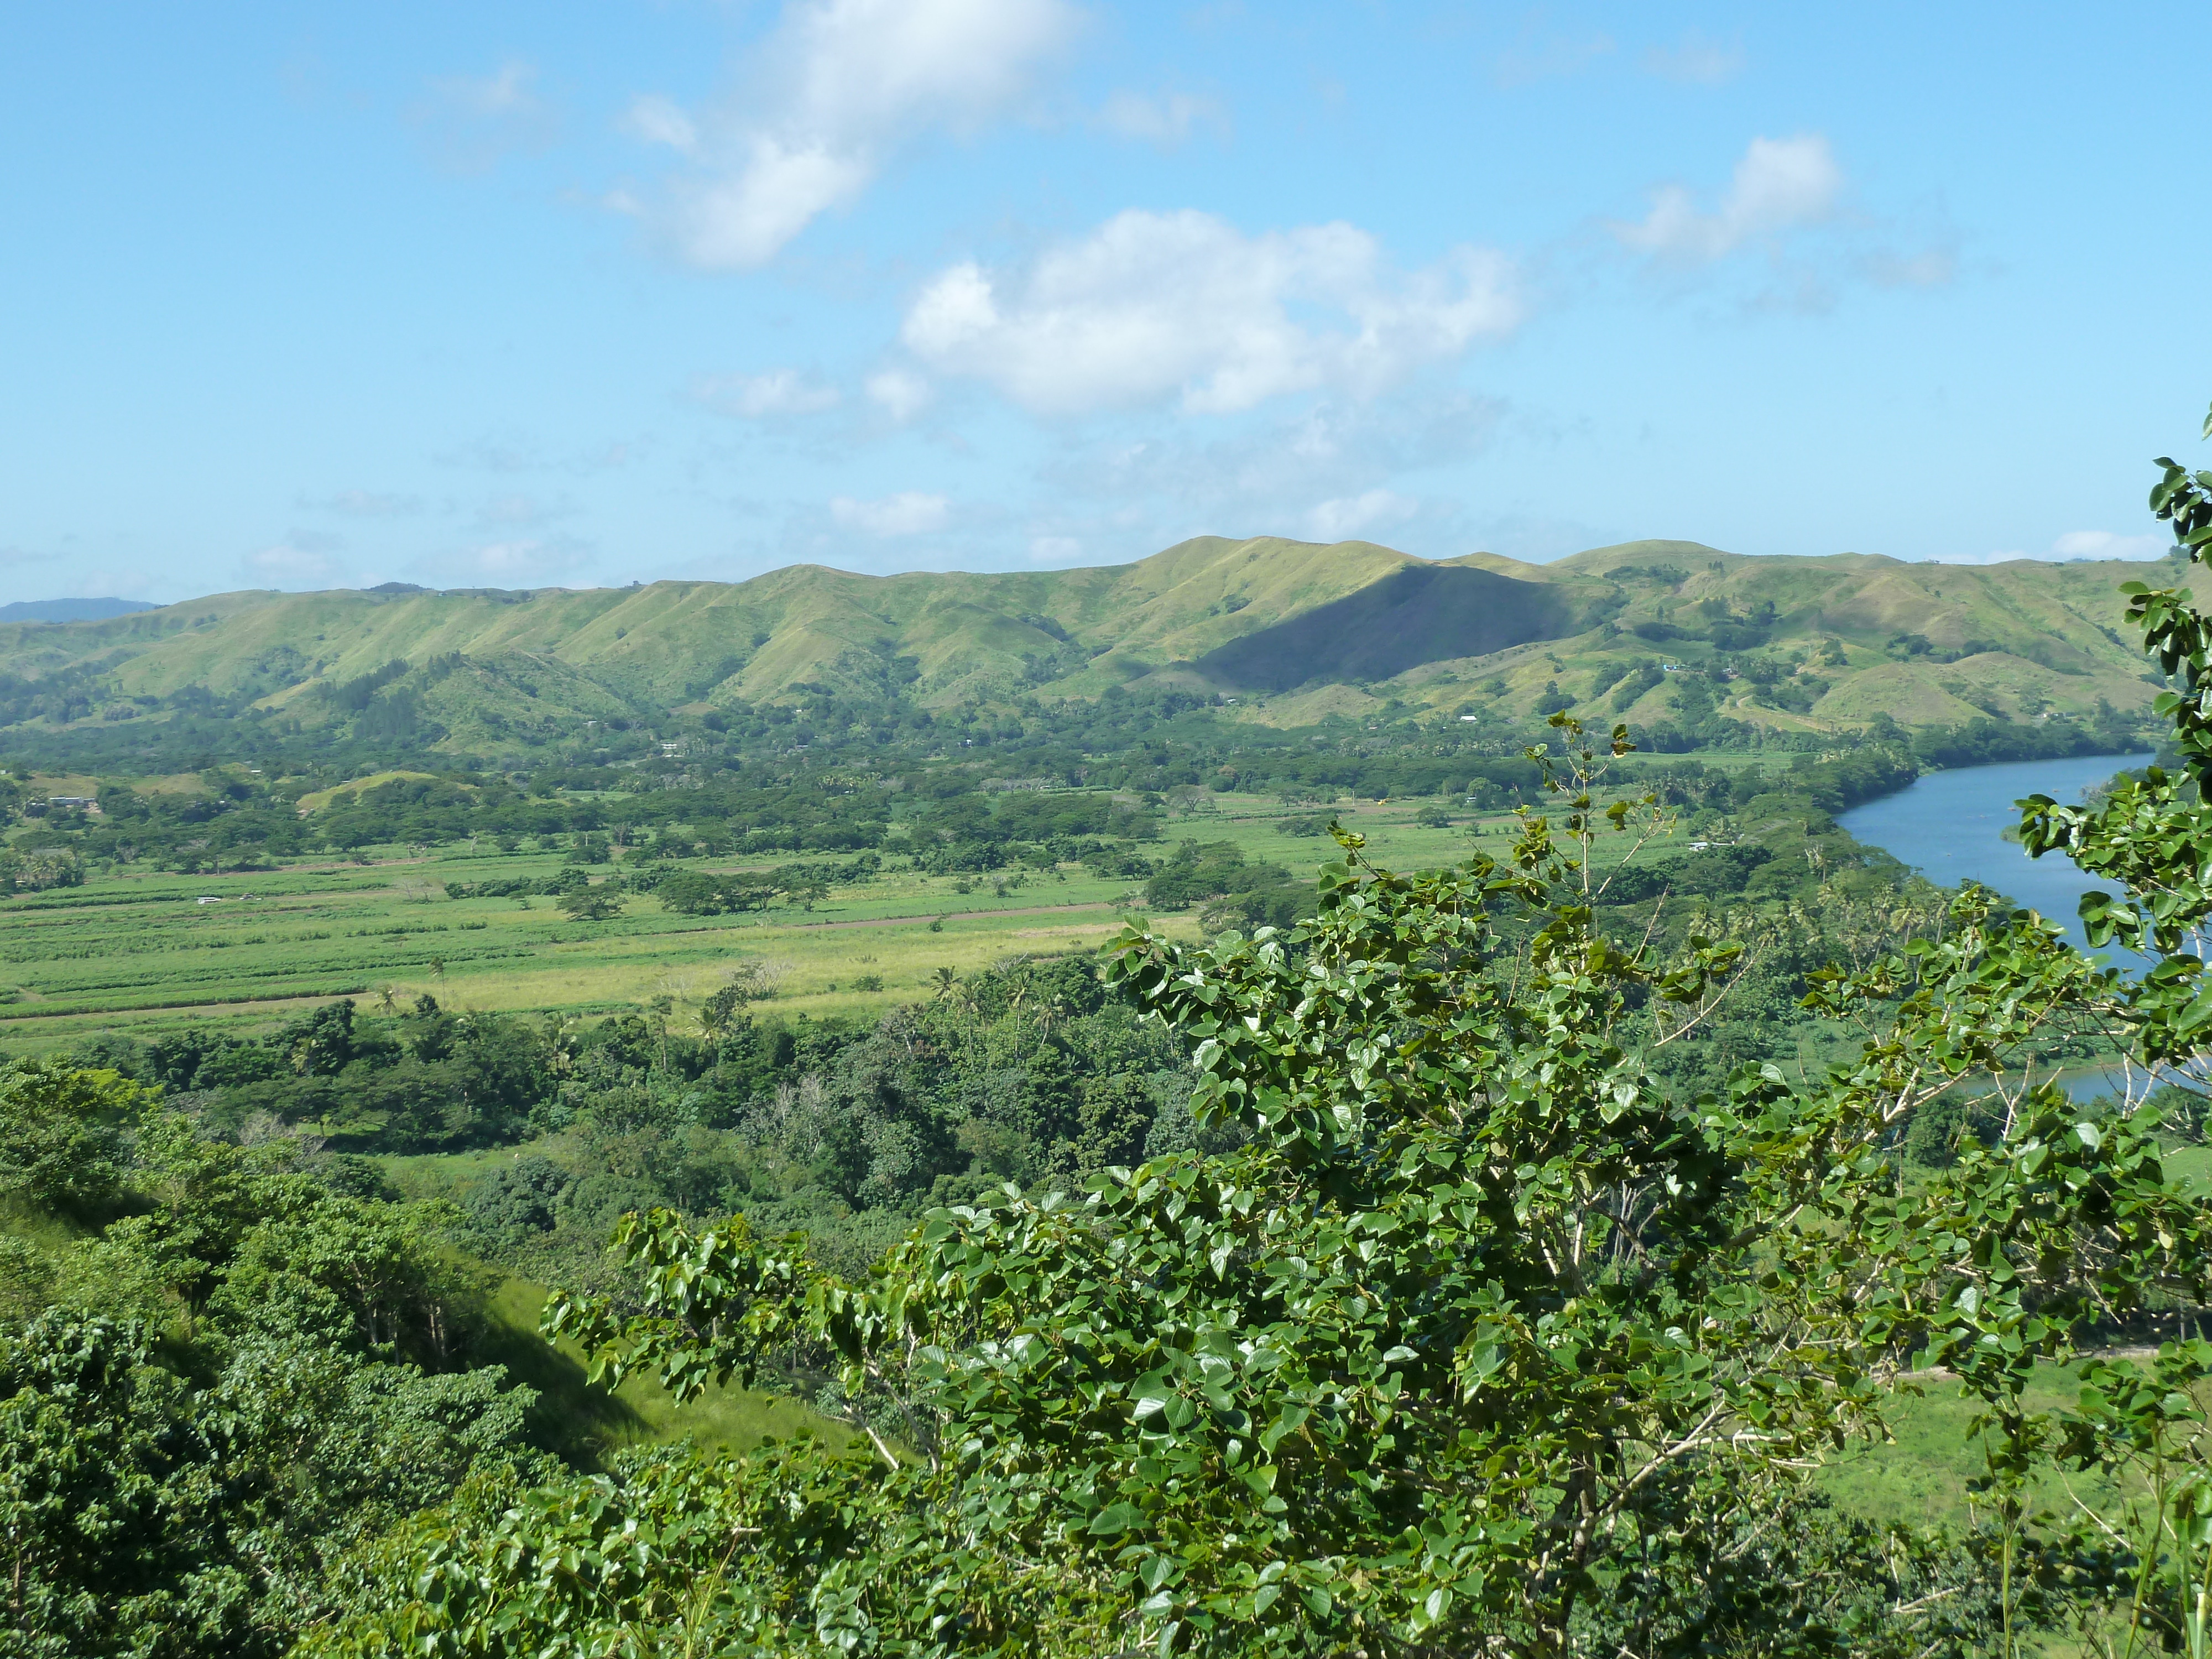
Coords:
pixel 1288 629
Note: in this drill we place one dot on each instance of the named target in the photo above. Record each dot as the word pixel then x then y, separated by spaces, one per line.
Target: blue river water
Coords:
pixel 1950 826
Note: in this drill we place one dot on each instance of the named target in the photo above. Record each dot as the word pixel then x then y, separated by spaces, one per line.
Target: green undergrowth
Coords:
pixel 1925 1472
pixel 586 1425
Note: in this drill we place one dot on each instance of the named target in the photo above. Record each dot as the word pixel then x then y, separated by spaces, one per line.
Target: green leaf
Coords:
pixel 1115 1519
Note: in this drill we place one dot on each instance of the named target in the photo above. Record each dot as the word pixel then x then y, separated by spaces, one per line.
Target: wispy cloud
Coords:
pixel 777 392
pixel 1152 306
pixel 1345 516
pixel 471 123
pixel 2074 546
pixel 1323 472
pixel 507 454
pixel 363 504
pixel 899 393
pixel 1696 60
pixel 1165 121
pixel 837 87
pixel 1780 185
pixel 1536 55
pixel 512 561
pixel 303 556
pixel 909 512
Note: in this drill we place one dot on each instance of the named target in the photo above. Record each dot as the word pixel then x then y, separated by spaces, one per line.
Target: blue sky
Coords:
pixel 307 295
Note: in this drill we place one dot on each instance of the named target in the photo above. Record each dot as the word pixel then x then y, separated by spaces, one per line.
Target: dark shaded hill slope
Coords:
pixel 1421 613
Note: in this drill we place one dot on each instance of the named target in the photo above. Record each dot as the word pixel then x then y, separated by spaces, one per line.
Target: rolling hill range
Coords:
pixel 1291 631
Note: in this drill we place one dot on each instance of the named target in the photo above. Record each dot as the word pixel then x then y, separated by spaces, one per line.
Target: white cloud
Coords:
pixel 470 122
pixel 909 512
pixel 778 391
pixel 899 393
pixel 658 120
pixel 504 91
pixel 300 558
pixel 519 561
pixel 2105 544
pixel 1165 121
pixel 1931 267
pixel 1696 60
pixel 1159 304
pixel 1346 516
pixel 1270 476
pixel 1054 550
pixel 2075 545
pixel 1779 184
pixel 836 88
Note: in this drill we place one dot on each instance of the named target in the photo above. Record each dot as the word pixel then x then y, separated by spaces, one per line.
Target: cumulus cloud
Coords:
pixel 1054 550
pixel 899 393
pixel 837 87
pixel 1166 121
pixel 1344 517
pixel 1780 185
pixel 759 396
pixel 909 512
pixel 1155 305
pixel 2074 546
pixel 1695 60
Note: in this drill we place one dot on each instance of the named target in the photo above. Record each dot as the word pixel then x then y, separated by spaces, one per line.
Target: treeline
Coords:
pixel 1025 1072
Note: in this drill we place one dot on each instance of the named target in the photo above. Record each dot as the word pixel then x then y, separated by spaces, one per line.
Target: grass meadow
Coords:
pixel 142 951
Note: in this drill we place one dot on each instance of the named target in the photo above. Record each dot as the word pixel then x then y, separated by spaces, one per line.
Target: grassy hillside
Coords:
pixel 1291 629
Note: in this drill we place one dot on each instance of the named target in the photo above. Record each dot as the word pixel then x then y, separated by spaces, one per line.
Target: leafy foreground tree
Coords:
pixel 1475 1343
pixel 218 1371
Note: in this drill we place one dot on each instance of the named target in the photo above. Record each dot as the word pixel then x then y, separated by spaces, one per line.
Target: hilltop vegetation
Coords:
pixel 1673 636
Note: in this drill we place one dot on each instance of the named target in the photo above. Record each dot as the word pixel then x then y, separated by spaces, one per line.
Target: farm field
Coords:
pixel 141 953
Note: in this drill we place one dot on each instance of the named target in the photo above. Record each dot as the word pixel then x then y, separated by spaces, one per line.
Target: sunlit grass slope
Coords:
pixel 1285 627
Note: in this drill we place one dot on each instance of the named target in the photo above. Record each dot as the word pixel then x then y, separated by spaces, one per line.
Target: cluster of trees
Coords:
pixel 419 1080
pixel 223 1367
pixel 846 1129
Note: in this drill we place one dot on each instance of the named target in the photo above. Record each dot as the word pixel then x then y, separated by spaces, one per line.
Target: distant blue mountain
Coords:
pixel 70 610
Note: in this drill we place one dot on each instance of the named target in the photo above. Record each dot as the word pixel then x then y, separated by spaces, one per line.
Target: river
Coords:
pixel 1950 826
